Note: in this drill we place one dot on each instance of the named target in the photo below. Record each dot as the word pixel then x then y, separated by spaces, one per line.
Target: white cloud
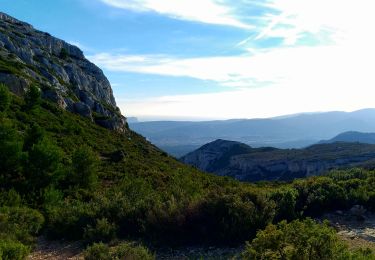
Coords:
pixel 298 79
pixel 337 17
pixel 251 103
pixel 205 11
pixel 336 74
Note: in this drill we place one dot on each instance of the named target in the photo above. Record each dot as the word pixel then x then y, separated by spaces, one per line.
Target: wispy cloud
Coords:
pixel 324 62
pixel 292 20
pixel 205 11
pixel 330 66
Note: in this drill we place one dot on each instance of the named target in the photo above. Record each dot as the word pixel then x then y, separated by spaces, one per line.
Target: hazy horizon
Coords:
pixel 211 59
pixel 202 119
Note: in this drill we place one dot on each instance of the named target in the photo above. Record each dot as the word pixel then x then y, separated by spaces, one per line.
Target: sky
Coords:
pixel 220 59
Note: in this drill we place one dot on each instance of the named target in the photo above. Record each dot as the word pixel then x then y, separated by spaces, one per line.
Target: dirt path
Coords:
pixel 357 233
pixel 56 250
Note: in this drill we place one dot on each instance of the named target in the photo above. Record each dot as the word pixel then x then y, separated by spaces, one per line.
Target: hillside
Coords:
pixel 352 137
pixel 67 176
pixel 228 158
pixel 293 131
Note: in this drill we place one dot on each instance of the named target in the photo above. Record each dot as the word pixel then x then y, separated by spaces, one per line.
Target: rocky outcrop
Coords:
pixel 65 76
pixel 227 158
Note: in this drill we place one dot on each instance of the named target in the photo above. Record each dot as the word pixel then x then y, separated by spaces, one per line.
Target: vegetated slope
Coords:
pixel 352 137
pixel 63 176
pixel 228 158
pixel 294 131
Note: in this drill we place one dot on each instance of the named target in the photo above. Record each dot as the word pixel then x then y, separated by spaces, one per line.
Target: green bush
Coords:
pixel 97 251
pixel 20 223
pixel 103 231
pixel 13 250
pixel 297 240
pixel 43 165
pixel 285 200
pixel 126 250
pixel 32 97
pixel 10 154
pixel 85 163
pixel 34 135
pixel 10 198
pixel 5 97
pixel 131 251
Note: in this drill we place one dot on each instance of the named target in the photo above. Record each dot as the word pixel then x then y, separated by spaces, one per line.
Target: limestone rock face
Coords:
pixel 228 158
pixel 65 76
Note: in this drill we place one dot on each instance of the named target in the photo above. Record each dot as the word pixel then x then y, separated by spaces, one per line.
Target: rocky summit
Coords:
pixel 61 71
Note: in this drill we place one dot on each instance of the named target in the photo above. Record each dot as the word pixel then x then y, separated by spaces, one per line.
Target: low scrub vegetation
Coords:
pixel 57 177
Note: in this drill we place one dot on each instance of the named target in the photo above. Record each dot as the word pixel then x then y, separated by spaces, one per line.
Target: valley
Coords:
pixel 77 182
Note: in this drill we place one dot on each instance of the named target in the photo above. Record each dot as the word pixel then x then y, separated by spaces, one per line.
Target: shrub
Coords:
pixel 34 135
pixel 32 97
pixel 126 250
pixel 4 97
pixel 131 251
pixel 10 154
pixel 84 163
pixel 43 164
pixel 97 251
pixel 285 200
pixel 10 198
pixel 297 240
pixel 103 231
pixel 13 250
pixel 20 223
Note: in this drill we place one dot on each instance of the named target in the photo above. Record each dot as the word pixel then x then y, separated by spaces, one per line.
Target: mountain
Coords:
pixel 228 158
pixel 64 177
pixel 293 131
pixel 352 137
pixel 71 169
pixel 60 70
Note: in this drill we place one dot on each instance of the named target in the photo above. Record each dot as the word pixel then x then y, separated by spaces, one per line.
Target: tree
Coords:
pixel 4 97
pixel 32 97
pixel 43 165
pixel 84 164
pixel 10 153
pixel 34 135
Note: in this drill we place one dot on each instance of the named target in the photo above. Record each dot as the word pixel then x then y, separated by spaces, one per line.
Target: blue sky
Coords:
pixel 218 59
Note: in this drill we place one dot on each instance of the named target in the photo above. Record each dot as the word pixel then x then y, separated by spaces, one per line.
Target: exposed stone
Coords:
pixel 55 97
pixel 16 84
pixel 59 66
pixel 82 109
pixel 240 161
pixel 117 124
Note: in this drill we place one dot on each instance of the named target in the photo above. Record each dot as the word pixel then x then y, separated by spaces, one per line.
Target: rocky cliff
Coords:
pixel 31 57
pixel 228 158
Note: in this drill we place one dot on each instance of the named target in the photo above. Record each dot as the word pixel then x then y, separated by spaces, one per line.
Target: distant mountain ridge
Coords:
pixel 244 163
pixel 352 137
pixel 293 131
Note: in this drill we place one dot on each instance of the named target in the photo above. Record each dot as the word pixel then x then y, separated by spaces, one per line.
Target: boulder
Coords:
pixel 55 97
pixel 82 109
